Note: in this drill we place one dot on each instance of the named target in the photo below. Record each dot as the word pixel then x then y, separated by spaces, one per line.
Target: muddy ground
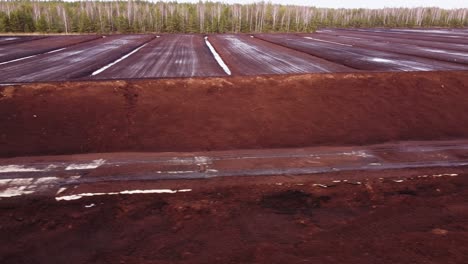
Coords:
pixel 402 216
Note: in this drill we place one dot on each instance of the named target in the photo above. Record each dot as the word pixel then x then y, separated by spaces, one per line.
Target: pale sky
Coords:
pixel 359 3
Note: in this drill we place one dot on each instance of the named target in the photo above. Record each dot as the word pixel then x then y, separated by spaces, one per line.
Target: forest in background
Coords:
pixel 207 17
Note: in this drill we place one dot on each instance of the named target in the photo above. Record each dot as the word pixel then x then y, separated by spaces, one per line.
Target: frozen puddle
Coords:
pixel 81 195
pixel 218 58
pixel 117 61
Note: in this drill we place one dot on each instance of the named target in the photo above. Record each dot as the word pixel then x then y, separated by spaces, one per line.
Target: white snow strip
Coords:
pixel 20 59
pixel 407 65
pixel 447 52
pixel 445 174
pixel 359 153
pixel 398 180
pixel 217 57
pixel 90 205
pixel 16 182
pixel 61 190
pixel 46 180
pixel 329 41
pixel 93 165
pixel 375 164
pixel 320 185
pixel 19 168
pixel 81 195
pixel 57 50
pixel 382 60
pixel 117 61
pixel 174 172
pixel 24 58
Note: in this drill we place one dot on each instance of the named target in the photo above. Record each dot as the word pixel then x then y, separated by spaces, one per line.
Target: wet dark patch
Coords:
pixel 403 192
pixel 292 202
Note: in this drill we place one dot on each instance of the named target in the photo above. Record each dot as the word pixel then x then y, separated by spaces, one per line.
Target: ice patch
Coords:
pixel 117 61
pixel 93 165
pixel 218 58
pixel 81 195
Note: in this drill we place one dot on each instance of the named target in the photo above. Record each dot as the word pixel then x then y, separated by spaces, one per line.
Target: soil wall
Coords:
pixel 231 112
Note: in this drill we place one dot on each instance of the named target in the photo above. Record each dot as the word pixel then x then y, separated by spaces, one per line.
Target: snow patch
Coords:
pixel 359 153
pixel 22 168
pixel 15 191
pixel 93 165
pixel 81 195
pixel 217 57
pixel 202 160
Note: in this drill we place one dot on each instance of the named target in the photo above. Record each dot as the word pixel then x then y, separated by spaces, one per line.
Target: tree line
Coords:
pixel 207 17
